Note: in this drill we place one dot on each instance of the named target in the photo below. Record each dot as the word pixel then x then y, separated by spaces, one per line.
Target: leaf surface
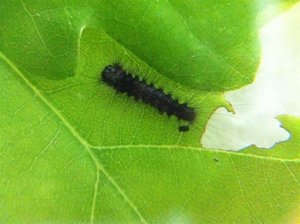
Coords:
pixel 74 151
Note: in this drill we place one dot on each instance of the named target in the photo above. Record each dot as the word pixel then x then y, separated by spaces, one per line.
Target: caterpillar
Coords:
pixel 125 82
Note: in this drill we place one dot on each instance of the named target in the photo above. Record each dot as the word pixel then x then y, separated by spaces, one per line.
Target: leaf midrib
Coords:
pixel 193 148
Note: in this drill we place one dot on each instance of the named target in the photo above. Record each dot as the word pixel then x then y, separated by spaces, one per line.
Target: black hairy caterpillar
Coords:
pixel 124 82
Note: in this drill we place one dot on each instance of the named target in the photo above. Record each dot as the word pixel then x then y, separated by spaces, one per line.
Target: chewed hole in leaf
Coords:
pixel 275 92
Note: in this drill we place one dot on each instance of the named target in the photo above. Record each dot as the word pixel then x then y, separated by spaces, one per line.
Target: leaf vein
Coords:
pixel 37 29
pixel 73 131
pixel 193 148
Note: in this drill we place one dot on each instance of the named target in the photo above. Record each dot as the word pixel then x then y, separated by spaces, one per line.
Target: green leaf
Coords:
pixel 74 151
pixel 205 45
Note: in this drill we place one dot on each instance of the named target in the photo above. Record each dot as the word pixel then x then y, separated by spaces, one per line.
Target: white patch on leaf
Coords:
pixel 275 91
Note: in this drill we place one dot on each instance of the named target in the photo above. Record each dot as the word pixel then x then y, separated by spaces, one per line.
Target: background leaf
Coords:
pixel 202 44
pixel 74 151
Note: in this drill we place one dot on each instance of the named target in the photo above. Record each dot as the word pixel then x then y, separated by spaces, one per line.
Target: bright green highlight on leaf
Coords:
pixel 74 151
pixel 206 45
